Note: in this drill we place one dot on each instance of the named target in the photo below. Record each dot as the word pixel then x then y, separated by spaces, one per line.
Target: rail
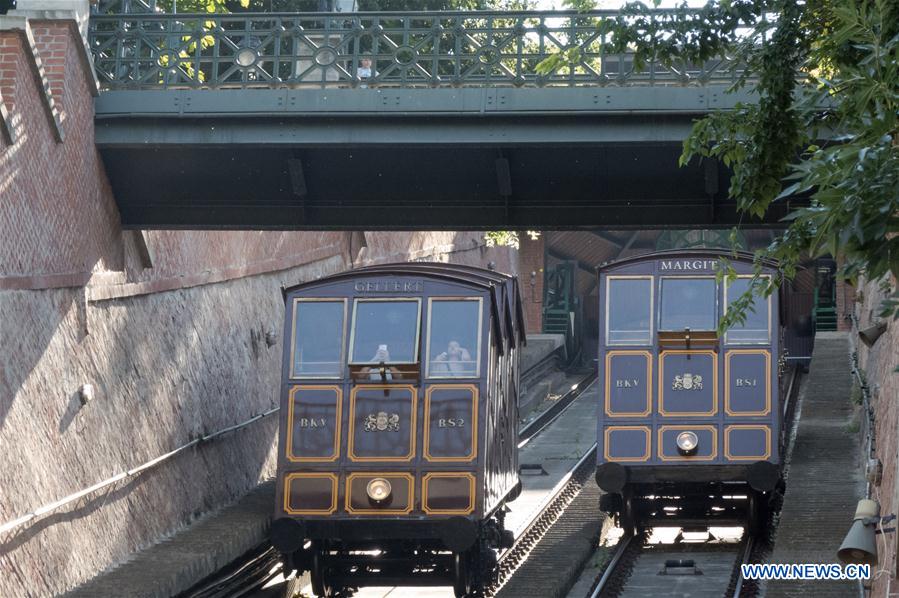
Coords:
pixel 549 415
pixel 790 400
pixel 744 560
pixel 129 473
pixel 148 49
pixel 623 544
pixel 530 532
pixel 735 589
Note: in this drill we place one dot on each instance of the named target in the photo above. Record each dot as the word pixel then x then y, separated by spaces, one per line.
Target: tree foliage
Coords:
pixel 824 126
pixel 508 238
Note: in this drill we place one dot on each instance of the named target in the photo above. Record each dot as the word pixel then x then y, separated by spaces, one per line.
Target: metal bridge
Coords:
pixel 398 120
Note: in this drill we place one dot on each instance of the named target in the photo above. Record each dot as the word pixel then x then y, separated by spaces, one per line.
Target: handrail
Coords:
pixel 154 50
pixel 43 510
pixel 11 525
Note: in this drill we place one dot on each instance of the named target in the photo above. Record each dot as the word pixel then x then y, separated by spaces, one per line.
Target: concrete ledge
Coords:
pixel 77 10
pixel 538 347
pixel 180 561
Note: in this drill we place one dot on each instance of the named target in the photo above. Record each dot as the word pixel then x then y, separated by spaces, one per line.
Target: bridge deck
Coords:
pixel 277 121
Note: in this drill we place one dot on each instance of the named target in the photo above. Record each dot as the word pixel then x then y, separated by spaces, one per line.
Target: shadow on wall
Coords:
pixel 166 368
pixel 25 335
pixel 88 506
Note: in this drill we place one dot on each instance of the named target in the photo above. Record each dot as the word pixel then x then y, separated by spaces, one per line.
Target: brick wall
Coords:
pixel 58 222
pixel 53 40
pixel 845 295
pixel 531 267
pixel 168 326
pixel 879 363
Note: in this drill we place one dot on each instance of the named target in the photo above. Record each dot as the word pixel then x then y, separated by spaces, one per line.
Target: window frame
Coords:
pixel 767 340
pixel 477 373
pixel 609 279
pixel 358 300
pixel 293 334
pixel 715 312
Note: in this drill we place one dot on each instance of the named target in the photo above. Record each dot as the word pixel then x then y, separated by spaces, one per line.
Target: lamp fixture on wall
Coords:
pixel 870 334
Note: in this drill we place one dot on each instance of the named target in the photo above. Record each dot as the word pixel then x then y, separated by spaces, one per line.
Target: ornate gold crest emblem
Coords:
pixel 382 422
pixel 687 382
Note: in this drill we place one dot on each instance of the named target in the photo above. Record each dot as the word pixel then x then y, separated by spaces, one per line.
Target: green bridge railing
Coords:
pixel 147 49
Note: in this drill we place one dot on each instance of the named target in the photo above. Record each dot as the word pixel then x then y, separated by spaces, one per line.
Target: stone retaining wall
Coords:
pixel 879 363
pixel 172 329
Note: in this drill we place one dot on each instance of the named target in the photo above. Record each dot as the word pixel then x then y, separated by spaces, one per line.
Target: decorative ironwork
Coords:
pixel 147 50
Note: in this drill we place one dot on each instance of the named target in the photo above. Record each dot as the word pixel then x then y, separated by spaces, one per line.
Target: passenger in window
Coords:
pixel 382 356
pixel 455 361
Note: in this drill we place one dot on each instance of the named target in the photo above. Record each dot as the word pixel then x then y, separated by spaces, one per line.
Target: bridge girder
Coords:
pixel 413 158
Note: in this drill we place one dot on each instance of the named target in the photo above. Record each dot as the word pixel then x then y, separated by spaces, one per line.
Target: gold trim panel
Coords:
pixel 410 503
pixel 608 389
pixel 292 476
pixel 471 493
pixel 337 418
pixel 727 408
pixel 647 454
pixel 766 429
pixel 662 386
pixel 412 423
pixel 682 428
pixel 473 421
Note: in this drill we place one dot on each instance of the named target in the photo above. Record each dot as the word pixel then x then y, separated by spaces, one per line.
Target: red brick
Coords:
pixel 531 260
pixel 52 40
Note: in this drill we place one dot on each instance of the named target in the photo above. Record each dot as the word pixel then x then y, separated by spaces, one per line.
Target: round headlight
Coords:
pixel 687 442
pixel 378 490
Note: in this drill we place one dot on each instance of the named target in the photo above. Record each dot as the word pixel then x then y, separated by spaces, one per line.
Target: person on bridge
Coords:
pixel 364 72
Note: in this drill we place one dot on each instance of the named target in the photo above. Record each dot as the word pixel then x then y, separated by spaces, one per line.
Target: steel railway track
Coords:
pixel 694 569
pixel 551 513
